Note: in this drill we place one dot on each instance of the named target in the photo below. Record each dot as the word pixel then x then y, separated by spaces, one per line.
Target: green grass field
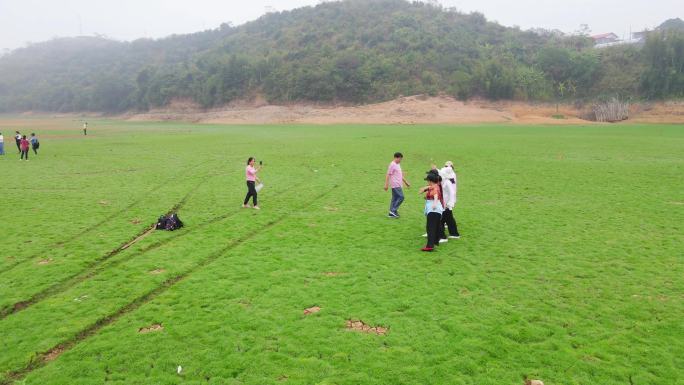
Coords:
pixel 569 269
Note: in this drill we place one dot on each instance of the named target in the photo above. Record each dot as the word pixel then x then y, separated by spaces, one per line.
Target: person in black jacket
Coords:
pixel 17 139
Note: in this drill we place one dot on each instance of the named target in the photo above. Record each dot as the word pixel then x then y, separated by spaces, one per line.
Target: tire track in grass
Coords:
pixel 103 221
pixel 92 267
pixel 96 266
pixel 44 358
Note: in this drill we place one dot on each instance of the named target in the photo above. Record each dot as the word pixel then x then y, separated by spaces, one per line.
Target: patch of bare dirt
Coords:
pixel 312 310
pixel 534 382
pixel 661 112
pixel 360 326
pixel 151 329
pixel 537 113
pixel 157 271
pixel 136 221
pixel 419 109
pixel 104 202
pixel 53 354
pixel 45 261
pixel 405 110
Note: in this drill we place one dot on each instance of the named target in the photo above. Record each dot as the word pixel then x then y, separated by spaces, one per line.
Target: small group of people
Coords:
pixel 440 197
pixel 23 144
pixel 440 200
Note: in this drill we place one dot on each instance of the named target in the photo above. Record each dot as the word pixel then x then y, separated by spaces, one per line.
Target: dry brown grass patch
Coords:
pixel 312 310
pixel 360 326
pixel 151 329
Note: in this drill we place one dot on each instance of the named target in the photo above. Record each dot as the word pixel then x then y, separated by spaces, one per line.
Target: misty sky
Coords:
pixel 23 21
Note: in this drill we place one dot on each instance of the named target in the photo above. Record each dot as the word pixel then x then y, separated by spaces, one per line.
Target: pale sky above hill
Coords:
pixel 23 21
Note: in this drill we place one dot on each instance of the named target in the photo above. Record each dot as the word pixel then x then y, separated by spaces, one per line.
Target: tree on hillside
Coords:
pixel 664 54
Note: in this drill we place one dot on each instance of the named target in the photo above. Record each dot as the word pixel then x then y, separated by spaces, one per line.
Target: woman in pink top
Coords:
pixel 24 147
pixel 252 178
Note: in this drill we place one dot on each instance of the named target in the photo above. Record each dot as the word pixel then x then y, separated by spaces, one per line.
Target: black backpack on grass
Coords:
pixel 169 223
pixel 161 223
pixel 173 223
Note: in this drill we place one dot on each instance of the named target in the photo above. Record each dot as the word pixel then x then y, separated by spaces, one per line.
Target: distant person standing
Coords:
pixel 395 180
pixel 35 144
pixel 85 128
pixel 17 139
pixel 252 178
pixel 450 188
pixel 2 144
pixel 24 145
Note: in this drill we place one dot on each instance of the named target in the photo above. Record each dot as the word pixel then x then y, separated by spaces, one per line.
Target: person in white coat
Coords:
pixel 450 190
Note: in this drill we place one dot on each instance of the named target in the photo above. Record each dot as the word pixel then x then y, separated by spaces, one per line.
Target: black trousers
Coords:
pixel 18 145
pixel 35 148
pixel 449 220
pixel 251 193
pixel 24 153
pixel 432 228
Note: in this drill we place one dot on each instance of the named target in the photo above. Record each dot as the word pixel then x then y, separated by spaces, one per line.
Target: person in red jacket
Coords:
pixel 24 146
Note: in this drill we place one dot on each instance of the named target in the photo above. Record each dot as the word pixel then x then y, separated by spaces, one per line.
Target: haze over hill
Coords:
pixel 24 21
pixel 356 51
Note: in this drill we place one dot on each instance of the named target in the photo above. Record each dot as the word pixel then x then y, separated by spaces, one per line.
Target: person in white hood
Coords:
pixel 450 190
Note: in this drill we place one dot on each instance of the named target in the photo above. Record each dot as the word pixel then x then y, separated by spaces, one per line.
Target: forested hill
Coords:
pixel 354 51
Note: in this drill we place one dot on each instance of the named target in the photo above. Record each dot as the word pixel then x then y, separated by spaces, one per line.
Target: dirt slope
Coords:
pixel 405 110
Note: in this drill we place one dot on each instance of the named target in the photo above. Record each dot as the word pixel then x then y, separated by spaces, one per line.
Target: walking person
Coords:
pixel 24 146
pixel 395 179
pixel 252 179
pixel 35 144
pixel 17 139
pixel 433 211
pixel 2 144
pixel 85 128
pixel 450 188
